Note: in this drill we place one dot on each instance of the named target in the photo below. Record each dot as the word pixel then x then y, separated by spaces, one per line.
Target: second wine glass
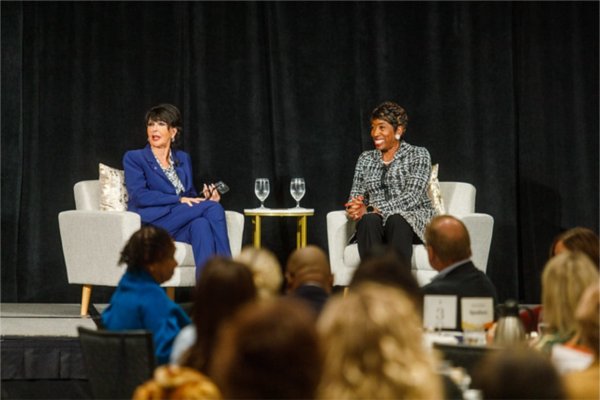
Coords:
pixel 297 189
pixel 261 190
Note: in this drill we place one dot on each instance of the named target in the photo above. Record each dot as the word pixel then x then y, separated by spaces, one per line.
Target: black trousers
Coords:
pixel 396 233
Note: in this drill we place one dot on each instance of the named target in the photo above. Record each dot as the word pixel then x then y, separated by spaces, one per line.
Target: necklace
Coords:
pixel 168 160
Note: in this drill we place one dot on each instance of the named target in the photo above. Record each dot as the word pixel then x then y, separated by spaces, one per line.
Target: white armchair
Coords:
pixel 92 241
pixel 459 201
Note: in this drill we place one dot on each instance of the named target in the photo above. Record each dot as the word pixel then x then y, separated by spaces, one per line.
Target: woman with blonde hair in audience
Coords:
pixel 585 384
pixel 564 279
pixel 374 348
pixel 172 382
pixel 265 268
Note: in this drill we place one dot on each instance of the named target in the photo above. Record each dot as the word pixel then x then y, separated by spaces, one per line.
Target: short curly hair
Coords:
pixel 391 113
pixel 147 245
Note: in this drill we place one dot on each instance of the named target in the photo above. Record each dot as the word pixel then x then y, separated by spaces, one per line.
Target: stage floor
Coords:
pixel 56 320
pixel 40 355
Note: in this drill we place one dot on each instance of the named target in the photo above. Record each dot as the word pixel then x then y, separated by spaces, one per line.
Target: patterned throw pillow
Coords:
pixel 434 192
pixel 113 194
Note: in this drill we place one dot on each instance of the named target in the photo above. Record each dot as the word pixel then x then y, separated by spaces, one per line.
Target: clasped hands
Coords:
pixel 356 208
pixel 209 192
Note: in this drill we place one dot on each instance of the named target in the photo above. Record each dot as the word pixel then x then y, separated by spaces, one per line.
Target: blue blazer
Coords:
pixel 140 303
pixel 151 194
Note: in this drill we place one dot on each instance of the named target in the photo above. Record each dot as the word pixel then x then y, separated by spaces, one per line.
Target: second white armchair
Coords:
pixel 459 201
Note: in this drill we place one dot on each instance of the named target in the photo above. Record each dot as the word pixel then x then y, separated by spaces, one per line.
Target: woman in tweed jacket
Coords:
pixel 389 192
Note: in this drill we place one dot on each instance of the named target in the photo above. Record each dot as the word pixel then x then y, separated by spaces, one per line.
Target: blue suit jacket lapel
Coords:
pixel 154 166
pixel 182 170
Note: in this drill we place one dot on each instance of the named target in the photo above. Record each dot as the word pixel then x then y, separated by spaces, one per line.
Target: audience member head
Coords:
pixel 270 349
pixel 223 287
pixel 150 249
pixel 577 239
pixel 517 373
pixel 383 265
pixel 308 265
pixel 447 241
pixel 172 382
pixel 587 315
pixel 564 279
pixel 373 345
pixel 265 268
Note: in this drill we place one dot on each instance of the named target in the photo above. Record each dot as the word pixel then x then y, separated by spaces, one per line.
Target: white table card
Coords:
pixel 439 311
pixel 476 312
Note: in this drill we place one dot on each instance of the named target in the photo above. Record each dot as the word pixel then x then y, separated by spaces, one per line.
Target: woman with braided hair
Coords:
pixel 139 302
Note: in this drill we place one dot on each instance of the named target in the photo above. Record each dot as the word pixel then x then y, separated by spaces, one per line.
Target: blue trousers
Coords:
pixel 202 225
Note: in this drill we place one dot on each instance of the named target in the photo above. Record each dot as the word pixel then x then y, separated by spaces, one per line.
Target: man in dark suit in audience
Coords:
pixel 449 251
pixel 309 277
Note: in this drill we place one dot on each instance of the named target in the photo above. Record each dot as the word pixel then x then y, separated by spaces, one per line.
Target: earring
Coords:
pixel 172 139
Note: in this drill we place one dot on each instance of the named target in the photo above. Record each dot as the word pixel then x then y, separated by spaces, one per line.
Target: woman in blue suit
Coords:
pixel 161 189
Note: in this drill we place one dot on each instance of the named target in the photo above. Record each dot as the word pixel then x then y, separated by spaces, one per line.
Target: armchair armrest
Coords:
pixel 235 230
pixel 92 242
pixel 480 227
pixel 339 230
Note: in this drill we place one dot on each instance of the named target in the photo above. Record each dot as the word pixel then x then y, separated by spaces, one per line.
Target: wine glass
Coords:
pixel 297 189
pixel 262 189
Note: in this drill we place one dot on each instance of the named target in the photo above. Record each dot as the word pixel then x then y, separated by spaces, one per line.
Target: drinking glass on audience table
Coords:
pixel 261 190
pixel 297 189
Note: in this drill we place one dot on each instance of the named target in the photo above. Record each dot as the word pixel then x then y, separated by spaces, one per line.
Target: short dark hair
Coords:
pixel 166 113
pixel 383 265
pixel 147 245
pixel 269 350
pixel 517 373
pixel 391 113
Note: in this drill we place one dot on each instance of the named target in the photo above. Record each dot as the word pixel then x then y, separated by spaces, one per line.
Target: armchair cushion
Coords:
pixel 435 192
pixel 113 194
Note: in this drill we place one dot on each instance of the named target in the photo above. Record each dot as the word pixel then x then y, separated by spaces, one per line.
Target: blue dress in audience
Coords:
pixel 140 303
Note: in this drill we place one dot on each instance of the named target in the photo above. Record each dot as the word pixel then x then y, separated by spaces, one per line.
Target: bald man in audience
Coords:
pixel 449 251
pixel 309 277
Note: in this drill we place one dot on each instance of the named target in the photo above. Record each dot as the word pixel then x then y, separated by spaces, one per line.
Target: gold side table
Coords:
pixel 300 213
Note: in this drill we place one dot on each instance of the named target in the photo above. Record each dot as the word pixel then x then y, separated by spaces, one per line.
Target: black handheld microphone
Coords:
pixel 220 187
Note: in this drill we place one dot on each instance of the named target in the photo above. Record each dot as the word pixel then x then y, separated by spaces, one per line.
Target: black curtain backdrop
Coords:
pixel 504 95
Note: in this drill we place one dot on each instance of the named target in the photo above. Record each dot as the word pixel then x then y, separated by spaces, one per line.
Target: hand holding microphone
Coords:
pixel 215 190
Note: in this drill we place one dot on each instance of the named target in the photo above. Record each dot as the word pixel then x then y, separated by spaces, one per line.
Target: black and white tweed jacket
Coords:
pixel 398 188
